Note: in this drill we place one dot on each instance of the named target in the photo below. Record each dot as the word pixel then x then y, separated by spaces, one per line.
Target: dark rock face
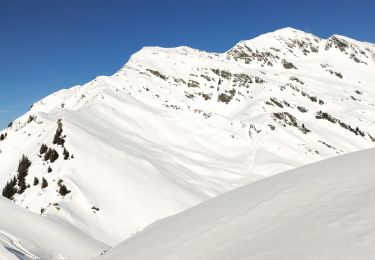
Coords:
pixel 288 119
pixel 340 44
pixel 248 55
pixel 288 65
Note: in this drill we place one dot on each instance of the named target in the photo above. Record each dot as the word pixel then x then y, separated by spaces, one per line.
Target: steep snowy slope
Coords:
pixel 25 235
pixel 321 211
pixel 175 127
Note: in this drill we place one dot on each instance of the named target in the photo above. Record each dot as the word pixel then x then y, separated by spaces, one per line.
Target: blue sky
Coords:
pixel 53 44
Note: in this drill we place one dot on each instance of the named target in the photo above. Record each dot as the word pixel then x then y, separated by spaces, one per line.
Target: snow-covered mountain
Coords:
pixel 325 210
pixel 177 126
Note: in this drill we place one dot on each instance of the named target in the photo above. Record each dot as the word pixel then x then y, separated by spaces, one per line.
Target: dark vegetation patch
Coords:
pixel 18 184
pixel 3 136
pixel 10 188
pixel 51 155
pixel 66 154
pixel 23 170
pixel 31 118
pixel 63 190
pixel 43 149
pixel 44 183
pixel 58 138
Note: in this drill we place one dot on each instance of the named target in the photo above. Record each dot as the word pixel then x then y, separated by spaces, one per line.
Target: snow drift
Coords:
pixel 25 235
pixel 325 210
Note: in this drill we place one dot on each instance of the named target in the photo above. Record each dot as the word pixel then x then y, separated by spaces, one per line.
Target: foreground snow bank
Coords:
pixel 325 210
pixel 25 235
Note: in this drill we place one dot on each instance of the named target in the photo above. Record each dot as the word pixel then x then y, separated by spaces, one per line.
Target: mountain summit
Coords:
pixel 177 126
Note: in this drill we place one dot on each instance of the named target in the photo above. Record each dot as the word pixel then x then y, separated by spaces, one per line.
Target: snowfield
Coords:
pixel 25 235
pixel 175 127
pixel 325 210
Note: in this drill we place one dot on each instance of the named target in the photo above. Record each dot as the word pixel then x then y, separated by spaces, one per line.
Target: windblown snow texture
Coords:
pixel 321 211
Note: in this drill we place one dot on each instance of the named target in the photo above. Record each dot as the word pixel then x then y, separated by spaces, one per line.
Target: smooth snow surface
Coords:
pixel 320 211
pixel 25 235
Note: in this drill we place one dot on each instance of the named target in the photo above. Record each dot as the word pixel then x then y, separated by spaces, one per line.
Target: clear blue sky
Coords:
pixel 53 44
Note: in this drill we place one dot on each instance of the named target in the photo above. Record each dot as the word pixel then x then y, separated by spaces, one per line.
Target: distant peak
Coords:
pixel 291 32
pixel 289 29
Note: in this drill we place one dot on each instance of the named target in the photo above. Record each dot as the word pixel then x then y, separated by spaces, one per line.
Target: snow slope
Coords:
pixel 25 235
pixel 177 126
pixel 320 211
